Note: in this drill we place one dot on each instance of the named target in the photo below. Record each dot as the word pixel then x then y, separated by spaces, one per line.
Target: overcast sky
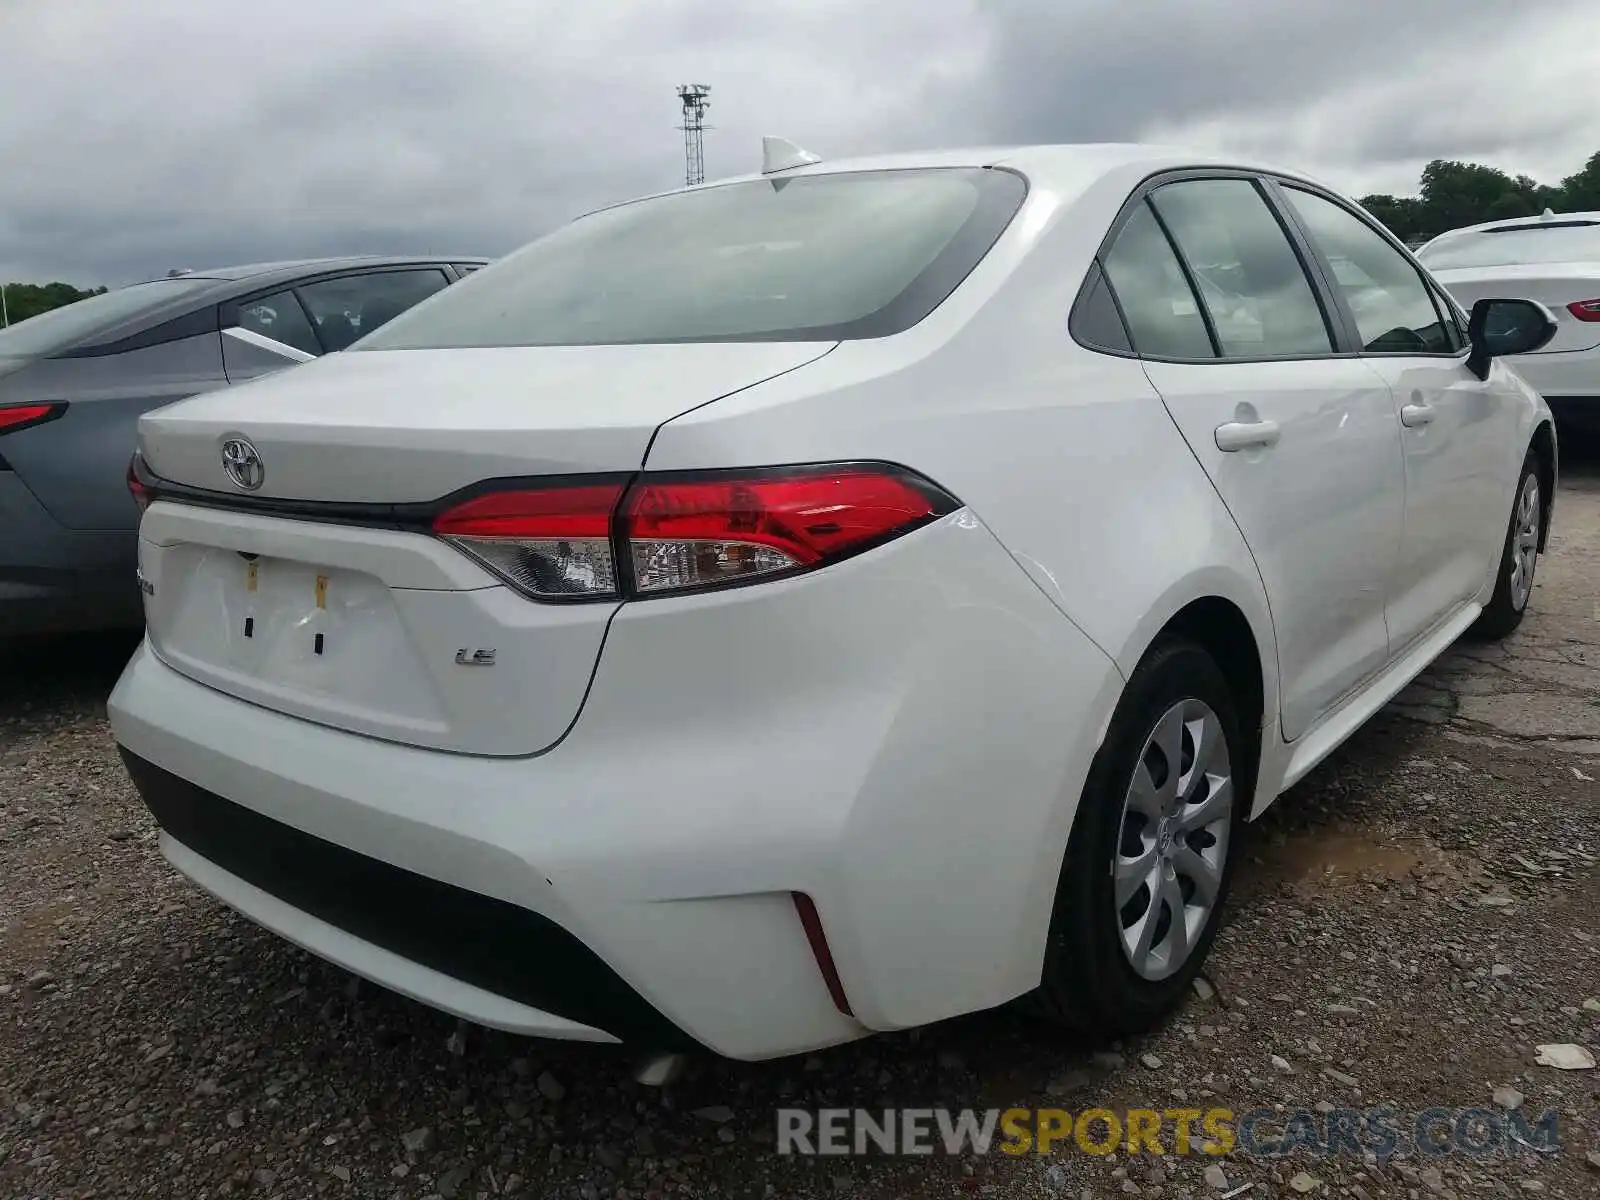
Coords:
pixel 139 136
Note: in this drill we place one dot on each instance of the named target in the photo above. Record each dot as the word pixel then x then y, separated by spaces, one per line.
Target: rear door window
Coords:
pixel 352 306
pixel 280 318
pixel 1260 301
pixel 1163 316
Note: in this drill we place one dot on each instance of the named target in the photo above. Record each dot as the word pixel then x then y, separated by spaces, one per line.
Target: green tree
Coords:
pixel 1454 194
pixel 1457 193
pixel 1510 206
pixel 1402 215
pixel 1581 192
pixel 24 300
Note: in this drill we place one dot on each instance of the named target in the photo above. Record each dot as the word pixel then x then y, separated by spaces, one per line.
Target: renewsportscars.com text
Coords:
pixel 1384 1131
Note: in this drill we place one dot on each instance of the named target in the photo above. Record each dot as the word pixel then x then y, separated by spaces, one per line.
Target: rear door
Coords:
pixel 1458 432
pixel 1302 444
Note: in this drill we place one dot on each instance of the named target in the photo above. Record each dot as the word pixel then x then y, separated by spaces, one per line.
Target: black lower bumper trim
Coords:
pixel 477 939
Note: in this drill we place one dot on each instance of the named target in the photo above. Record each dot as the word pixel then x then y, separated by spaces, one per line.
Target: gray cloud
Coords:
pixel 183 132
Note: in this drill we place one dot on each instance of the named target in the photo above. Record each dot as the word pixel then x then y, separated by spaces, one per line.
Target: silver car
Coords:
pixel 74 381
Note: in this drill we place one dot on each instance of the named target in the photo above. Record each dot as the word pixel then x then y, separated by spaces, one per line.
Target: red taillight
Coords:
pixel 21 416
pixel 696 533
pixel 549 542
pixel 683 533
pixel 1585 310
pixel 136 487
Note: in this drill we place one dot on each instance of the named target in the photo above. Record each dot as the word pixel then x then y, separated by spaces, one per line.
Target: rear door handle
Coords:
pixel 1242 435
pixel 1413 415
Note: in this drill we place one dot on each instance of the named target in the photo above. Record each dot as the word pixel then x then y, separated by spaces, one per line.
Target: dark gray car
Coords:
pixel 74 381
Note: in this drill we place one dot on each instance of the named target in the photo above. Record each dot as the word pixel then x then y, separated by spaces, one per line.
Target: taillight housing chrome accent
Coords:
pixel 1585 310
pixel 669 534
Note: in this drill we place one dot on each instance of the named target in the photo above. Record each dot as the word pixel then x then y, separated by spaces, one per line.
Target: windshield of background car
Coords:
pixel 1521 245
pixel 810 258
pixel 61 327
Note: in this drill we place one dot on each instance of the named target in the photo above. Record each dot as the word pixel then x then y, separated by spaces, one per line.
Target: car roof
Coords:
pixel 1069 166
pixel 1545 220
pixel 271 272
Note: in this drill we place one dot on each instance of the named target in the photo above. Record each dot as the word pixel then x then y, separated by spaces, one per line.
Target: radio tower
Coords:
pixel 696 99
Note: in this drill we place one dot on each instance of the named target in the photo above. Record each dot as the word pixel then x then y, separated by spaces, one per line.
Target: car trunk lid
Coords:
pixel 1555 285
pixel 397 426
pixel 337 610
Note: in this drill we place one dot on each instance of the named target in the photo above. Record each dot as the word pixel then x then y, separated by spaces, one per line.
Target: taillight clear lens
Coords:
pixel 1585 310
pixel 550 543
pixel 697 533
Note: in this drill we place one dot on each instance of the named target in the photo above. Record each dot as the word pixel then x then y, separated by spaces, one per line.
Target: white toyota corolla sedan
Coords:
pixel 824 601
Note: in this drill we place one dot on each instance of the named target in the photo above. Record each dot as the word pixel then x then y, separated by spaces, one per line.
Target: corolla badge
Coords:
pixel 242 463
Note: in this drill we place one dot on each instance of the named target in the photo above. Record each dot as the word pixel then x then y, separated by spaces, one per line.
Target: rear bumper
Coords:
pixel 902 737
pixel 472 955
pixel 59 580
pixel 1574 373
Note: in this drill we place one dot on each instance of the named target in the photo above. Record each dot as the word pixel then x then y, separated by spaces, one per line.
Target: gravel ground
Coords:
pixel 1408 925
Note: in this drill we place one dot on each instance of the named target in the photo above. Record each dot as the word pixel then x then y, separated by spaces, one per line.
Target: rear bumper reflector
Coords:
pixel 811 922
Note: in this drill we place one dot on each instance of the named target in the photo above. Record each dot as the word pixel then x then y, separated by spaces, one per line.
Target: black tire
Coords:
pixel 1504 613
pixel 1088 982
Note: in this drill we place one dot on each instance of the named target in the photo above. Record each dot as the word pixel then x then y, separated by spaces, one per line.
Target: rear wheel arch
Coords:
pixel 1220 628
pixel 1213 615
pixel 1543 446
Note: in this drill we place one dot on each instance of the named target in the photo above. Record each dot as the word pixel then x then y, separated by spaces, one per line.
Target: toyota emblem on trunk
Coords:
pixel 243 464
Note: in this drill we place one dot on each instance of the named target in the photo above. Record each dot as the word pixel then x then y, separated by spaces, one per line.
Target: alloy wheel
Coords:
pixel 1173 839
pixel 1525 543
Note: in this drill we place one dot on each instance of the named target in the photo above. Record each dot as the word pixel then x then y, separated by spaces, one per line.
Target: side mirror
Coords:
pixel 1500 327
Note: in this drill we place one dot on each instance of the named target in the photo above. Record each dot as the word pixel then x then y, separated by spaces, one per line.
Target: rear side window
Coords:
pixel 1393 307
pixel 280 318
pixel 809 258
pixel 63 327
pixel 1163 317
pixel 1251 280
pixel 1095 319
pixel 352 306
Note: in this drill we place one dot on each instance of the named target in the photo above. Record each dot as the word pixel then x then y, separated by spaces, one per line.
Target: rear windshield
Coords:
pixel 811 258
pixel 1512 247
pixel 61 327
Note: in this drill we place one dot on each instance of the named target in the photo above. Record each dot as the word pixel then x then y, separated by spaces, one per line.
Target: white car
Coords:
pixel 825 601
pixel 1554 259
